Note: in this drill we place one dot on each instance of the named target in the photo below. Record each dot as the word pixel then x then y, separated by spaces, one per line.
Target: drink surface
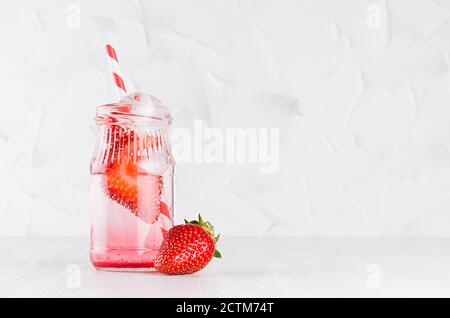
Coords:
pixel 132 183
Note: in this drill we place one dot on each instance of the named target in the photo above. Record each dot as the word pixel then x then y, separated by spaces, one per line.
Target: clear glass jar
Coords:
pixel 132 183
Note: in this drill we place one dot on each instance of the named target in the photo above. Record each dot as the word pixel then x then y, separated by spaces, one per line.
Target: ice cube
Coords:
pixel 144 105
pixel 153 167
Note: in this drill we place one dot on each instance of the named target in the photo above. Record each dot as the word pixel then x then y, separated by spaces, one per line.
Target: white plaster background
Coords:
pixel 363 109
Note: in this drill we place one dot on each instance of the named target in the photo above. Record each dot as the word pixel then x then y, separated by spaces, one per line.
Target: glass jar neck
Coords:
pixel 134 132
pixel 144 146
pixel 135 110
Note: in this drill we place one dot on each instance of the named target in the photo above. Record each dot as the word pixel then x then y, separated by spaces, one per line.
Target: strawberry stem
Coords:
pixel 209 228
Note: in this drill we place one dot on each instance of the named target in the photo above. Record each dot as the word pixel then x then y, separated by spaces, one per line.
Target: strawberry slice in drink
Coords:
pixel 164 210
pixel 140 193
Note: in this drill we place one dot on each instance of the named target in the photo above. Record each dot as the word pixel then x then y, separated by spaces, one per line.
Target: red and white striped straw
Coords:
pixel 115 69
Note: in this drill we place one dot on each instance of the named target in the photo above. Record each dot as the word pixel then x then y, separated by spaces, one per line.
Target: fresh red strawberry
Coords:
pixel 187 248
pixel 163 231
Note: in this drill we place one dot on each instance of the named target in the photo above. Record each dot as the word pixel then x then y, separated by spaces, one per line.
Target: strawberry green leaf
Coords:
pixel 217 254
pixel 207 226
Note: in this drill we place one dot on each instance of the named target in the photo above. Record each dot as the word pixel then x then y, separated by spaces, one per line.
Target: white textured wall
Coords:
pixel 359 89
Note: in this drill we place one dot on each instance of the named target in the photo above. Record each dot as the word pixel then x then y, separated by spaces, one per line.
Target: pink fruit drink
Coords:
pixel 132 183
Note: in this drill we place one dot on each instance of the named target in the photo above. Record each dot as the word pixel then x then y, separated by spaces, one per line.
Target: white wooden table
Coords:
pixel 251 267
